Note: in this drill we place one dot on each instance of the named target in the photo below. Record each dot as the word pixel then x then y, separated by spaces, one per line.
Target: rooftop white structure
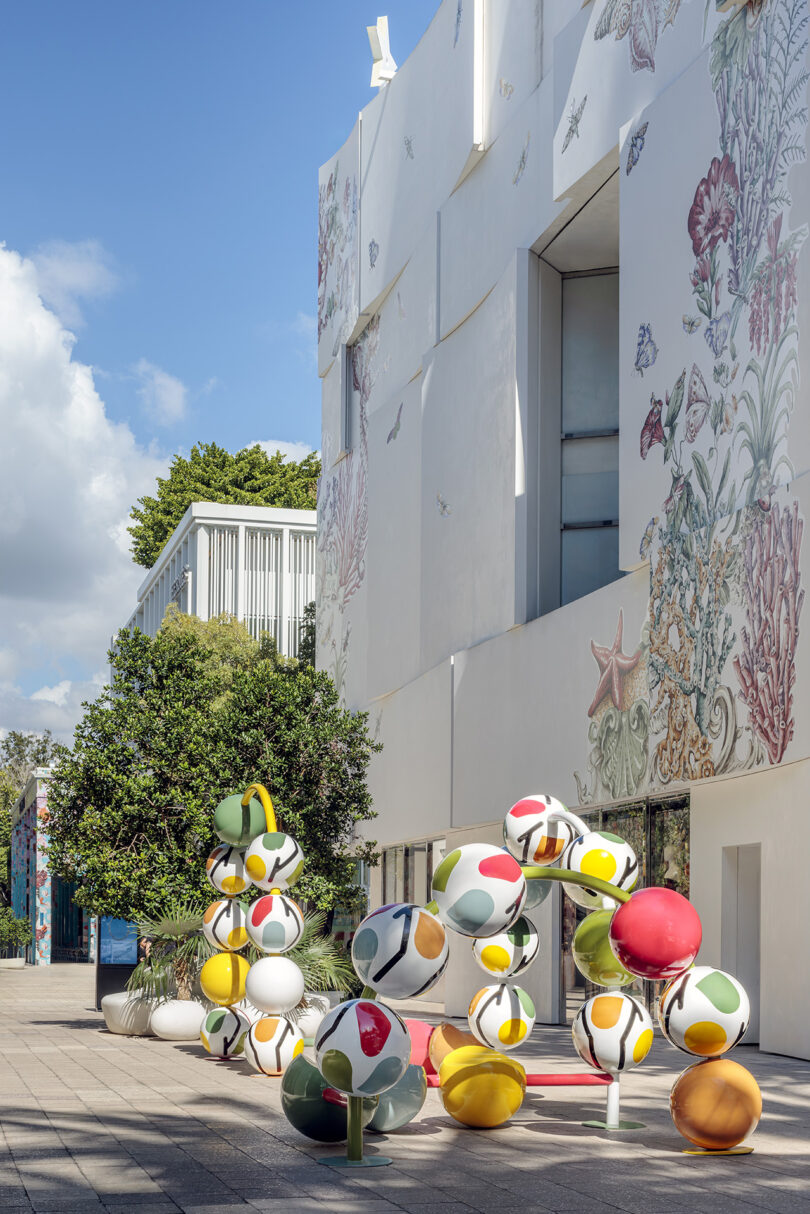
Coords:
pixel 256 563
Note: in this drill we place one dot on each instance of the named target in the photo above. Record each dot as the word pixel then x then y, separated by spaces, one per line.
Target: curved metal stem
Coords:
pixel 537 873
pixel 267 805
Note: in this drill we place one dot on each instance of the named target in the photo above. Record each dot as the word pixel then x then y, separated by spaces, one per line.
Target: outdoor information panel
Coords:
pixel 117 955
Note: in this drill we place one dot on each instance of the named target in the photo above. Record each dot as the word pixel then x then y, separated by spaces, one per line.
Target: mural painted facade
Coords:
pixel 665 139
pixel 31 894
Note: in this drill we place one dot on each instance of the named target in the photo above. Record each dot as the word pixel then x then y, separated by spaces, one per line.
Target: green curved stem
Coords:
pixel 368 992
pixel 536 873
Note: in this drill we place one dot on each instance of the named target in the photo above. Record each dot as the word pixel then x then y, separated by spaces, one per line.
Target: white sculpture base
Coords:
pixel 128 1013
pixel 178 1020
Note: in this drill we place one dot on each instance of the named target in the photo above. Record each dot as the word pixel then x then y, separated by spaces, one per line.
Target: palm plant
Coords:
pixel 175 952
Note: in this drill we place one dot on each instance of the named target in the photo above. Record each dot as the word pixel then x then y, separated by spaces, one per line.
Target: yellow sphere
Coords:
pixel 481 1087
pixel 223 978
pixel 716 1104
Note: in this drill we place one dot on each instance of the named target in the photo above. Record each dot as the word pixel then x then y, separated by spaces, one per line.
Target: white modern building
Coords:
pixel 256 563
pixel 563 340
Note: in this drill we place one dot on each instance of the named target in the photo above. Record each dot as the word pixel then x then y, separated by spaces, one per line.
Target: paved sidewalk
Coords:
pixel 95 1122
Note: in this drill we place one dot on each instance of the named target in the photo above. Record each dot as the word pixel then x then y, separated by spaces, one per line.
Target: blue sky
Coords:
pixel 159 217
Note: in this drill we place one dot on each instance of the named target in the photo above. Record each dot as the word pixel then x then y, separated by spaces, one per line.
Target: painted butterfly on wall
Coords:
pixel 574 119
pixel 444 508
pixel 652 431
pixel 394 431
pixel 521 165
pixel 636 147
pixel 646 349
pixel 373 253
pixel 408 147
pixel 505 88
pixel 459 11
pixel 691 324
pixel 647 537
pixel 697 403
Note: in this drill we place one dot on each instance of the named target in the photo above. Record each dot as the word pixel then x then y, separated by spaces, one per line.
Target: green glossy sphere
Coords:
pixel 400 1104
pixel 238 824
pixel 312 1107
pixel 593 956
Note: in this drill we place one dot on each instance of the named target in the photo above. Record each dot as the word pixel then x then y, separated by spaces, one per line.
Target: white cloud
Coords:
pixel 292 451
pixel 69 272
pixel 69 477
pixel 164 397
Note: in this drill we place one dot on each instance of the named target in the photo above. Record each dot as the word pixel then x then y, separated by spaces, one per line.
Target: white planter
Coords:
pixel 178 1020
pixel 12 963
pixel 128 1012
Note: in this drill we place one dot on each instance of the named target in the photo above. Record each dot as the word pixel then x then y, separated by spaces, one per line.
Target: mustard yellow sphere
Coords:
pixel 223 978
pixel 480 1087
pixel 716 1104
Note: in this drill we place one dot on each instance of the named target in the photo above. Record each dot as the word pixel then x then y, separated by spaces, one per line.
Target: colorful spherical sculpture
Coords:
pixel 612 1032
pixel 603 855
pixel 225 869
pixel 420 1034
pixel 272 1043
pixel 704 1011
pixel 313 1107
pixel 444 1039
pixel 480 1087
pixel 501 1016
pixel 510 952
pixel 400 950
pixel 479 890
pixel 537 828
pixel 716 1104
pixel 274 923
pixel 399 1104
pixel 362 1048
pixel 222 978
pixel 224 924
pixel 656 934
pixel 536 893
pixel 236 823
pixel 274 861
pixel 593 956
pixel 274 985
pixel 223 1031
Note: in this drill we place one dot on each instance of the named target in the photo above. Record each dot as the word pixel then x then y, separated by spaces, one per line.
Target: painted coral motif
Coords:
pixel 774 599
pixel 337 257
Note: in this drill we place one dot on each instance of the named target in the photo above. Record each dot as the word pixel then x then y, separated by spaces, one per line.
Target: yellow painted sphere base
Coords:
pixel 480 1087
pixel 223 978
pixel 716 1104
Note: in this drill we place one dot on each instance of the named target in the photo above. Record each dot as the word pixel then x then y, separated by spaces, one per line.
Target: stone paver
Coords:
pixel 94 1122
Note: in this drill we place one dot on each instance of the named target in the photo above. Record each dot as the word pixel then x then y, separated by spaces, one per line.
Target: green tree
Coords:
pixel 131 806
pixel 251 477
pixel 20 754
pixel 306 643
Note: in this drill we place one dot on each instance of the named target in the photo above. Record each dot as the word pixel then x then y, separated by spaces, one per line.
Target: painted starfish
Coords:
pixel 614 667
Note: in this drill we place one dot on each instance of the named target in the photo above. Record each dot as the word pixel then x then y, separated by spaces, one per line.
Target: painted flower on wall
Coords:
pixel 652 431
pixel 643 21
pixel 713 211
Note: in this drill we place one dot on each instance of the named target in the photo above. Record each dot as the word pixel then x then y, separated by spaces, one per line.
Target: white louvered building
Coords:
pixel 255 562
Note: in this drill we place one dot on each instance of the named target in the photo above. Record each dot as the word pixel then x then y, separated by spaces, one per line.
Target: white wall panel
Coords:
pixel 513 53
pixel 394 576
pixel 338 244
pixel 410 781
pixel 468 480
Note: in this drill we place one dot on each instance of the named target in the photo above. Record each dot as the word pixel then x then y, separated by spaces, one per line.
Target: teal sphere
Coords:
pixel 400 1104
pixel 238 824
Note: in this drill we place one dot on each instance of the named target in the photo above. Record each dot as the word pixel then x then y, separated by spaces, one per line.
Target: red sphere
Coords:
pixel 656 934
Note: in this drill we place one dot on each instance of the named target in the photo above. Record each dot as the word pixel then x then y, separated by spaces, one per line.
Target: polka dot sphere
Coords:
pixel 510 952
pixel 223 1031
pixel 612 1032
pixel 272 1043
pixel 481 1087
pixel 479 890
pixel 501 1016
pixel 532 834
pixel 224 924
pixel 599 854
pixel 362 1048
pixel 400 950
pixel 716 1104
pixel 704 1012
pixel 274 923
pixel 222 978
pixel 275 985
pixel 274 861
pixel 237 824
pixel 225 869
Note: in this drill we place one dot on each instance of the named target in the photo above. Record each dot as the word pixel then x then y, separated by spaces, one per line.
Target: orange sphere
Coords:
pixel 716 1104
pixel 444 1039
